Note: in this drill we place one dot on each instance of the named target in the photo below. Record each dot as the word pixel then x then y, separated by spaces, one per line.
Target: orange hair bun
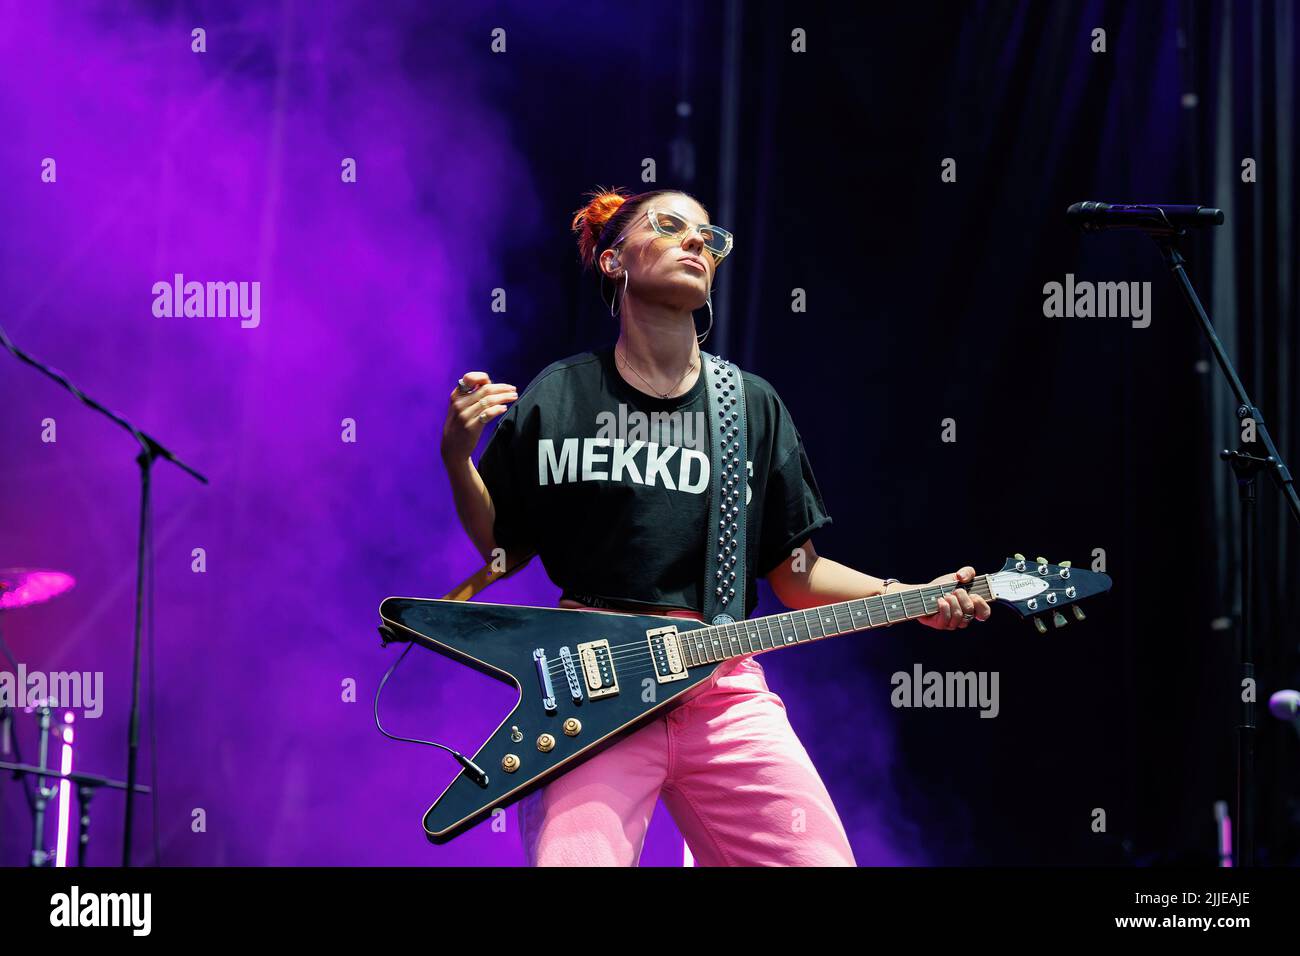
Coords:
pixel 589 220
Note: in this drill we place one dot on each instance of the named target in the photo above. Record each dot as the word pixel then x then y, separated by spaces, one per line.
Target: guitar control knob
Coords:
pixel 572 727
pixel 546 743
pixel 509 763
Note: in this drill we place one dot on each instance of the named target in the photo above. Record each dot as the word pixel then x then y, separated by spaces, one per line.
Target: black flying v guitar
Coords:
pixel 583 676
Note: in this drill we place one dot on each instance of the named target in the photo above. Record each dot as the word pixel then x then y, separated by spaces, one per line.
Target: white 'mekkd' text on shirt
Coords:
pixel 636 462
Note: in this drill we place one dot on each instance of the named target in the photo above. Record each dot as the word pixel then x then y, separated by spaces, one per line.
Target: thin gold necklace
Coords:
pixel 627 364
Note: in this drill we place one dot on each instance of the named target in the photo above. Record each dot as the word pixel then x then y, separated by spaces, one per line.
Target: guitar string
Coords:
pixel 745 636
pixel 621 651
pixel 643 666
pixel 637 667
pixel 636 649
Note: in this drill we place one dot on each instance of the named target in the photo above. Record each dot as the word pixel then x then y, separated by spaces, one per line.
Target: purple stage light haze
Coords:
pixel 225 166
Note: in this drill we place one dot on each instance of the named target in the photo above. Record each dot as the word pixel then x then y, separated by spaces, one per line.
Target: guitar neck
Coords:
pixel 719 642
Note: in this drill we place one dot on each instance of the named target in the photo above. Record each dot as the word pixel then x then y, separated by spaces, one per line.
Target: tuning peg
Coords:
pixel 1058 619
pixel 1018 556
pixel 1038 623
pixel 1078 612
pixel 1042 561
pixel 1066 564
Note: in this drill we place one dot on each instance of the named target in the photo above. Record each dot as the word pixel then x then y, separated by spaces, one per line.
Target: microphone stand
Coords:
pixel 1246 466
pixel 150 451
pixel 86 784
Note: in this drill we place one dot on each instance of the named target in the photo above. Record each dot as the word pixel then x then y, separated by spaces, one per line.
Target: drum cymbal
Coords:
pixel 20 587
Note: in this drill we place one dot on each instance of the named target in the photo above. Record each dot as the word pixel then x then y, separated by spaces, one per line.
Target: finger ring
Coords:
pixel 968 615
pixel 465 389
pixel 482 416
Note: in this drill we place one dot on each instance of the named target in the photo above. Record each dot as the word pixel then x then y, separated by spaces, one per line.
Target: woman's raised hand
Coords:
pixel 468 412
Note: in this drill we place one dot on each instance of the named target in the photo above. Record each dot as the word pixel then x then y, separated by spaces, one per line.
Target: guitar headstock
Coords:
pixel 1039 589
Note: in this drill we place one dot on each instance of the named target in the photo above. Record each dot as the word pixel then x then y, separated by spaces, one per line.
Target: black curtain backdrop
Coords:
pixel 1247 67
pixel 925 302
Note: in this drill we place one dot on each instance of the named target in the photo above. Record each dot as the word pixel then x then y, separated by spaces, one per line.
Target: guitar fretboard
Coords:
pixel 715 643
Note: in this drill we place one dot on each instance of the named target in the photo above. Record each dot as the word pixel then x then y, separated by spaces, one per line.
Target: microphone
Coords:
pixel 1285 706
pixel 1148 217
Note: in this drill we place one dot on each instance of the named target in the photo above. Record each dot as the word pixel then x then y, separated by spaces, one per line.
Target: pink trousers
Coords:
pixel 730 770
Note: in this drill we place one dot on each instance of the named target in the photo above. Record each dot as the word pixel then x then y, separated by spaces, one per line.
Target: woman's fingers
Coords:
pixel 952 609
pixel 486 402
pixel 472 405
pixel 492 390
pixel 945 612
pixel 478 416
pixel 474 380
pixel 965 606
pixel 489 413
pixel 958 620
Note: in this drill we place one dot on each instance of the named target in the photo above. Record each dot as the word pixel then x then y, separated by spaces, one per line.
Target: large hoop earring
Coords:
pixel 708 300
pixel 615 297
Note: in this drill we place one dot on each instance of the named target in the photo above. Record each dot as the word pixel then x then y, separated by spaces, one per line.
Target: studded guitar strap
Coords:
pixel 724 568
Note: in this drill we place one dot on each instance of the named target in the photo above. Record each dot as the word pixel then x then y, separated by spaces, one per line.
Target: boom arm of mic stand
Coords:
pixel 1274 462
pixel 148 444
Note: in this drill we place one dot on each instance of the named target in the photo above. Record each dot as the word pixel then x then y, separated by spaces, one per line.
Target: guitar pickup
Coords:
pixel 598 669
pixel 666 654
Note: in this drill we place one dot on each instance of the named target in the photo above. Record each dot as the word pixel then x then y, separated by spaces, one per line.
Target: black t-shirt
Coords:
pixel 610 486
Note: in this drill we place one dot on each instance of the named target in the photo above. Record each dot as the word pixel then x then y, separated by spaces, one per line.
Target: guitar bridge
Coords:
pixel 598 669
pixel 666 654
pixel 544 680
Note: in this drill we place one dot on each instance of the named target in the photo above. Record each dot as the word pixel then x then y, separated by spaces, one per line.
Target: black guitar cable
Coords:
pixel 474 770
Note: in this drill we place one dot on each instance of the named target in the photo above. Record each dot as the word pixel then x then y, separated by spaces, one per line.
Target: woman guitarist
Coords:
pixel 617 515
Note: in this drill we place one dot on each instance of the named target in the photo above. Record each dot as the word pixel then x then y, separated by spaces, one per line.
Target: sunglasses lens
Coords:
pixel 666 224
pixel 716 240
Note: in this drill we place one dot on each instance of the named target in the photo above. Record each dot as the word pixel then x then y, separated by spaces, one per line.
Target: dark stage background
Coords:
pixel 924 303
